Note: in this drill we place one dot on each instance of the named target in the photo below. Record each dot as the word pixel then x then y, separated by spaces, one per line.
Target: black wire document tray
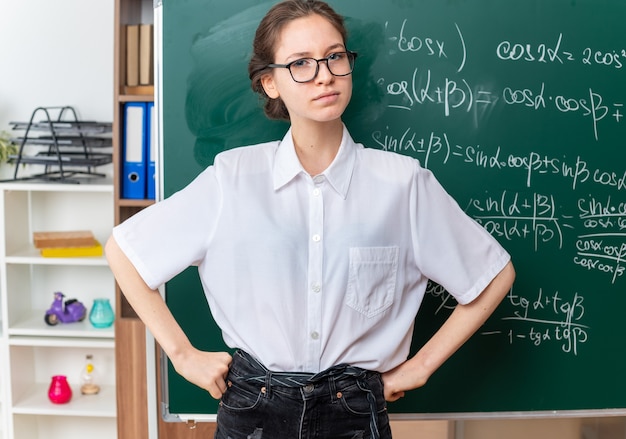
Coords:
pixel 67 158
pixel 91 142
pixel 67 147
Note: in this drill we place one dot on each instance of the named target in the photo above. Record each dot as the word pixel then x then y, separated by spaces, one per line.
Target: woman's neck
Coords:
pixel 317 144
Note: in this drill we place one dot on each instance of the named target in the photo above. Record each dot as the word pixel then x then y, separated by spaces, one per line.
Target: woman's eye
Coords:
pixel 336 56
pixel 300 63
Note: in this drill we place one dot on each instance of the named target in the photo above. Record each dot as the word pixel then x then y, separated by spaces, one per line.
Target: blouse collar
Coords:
pixel 339 174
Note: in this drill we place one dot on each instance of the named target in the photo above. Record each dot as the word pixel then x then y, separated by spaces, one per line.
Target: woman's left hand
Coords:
pixel 399 380
pixel 456 330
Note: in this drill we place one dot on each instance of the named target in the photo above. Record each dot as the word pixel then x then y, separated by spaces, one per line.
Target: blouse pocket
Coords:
pixel 372 279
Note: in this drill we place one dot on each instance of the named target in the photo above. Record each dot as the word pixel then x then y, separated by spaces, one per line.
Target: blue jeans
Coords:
pixel 343 403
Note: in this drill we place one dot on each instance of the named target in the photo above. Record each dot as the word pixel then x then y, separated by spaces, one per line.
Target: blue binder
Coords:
pixel 134 155
pixel 150 151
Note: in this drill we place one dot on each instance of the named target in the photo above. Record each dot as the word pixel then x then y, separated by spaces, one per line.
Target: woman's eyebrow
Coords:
pixel 299 55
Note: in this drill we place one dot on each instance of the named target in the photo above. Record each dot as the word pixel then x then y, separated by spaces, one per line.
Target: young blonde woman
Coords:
pixel 314 254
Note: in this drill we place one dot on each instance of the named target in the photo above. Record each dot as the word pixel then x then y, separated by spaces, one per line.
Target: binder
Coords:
pixel 134 157
pixel 150 151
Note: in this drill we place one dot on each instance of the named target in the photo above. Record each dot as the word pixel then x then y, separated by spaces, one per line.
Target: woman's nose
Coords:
pixel 323 72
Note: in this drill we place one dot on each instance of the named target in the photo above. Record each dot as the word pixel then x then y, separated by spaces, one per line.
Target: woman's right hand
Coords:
pixel 207 370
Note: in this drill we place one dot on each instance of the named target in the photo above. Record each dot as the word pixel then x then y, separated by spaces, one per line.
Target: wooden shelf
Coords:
pixel 41 334
pixel 126 202
pixel 35 402
pixel 139 90
pixel 94 185
pixel 130 348
pixel 33 256
pixel 135 98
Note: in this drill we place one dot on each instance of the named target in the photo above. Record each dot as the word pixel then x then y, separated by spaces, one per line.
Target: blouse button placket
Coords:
pixel 315 264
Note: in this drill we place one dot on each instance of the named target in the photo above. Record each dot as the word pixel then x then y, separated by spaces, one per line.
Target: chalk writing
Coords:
pixel 447 301
pixel 542 53
pixel 423 86
pixel 405 41
pixel 535 210
pixel 514 215
pixel 457 94
pixel 549 318
pixel 591 105
pixel 611 58
pixel 602 248
pixel 555 53
pixel 574 170
pixel 546 318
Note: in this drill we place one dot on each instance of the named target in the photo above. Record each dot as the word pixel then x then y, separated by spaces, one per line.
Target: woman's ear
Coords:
pixel 267 81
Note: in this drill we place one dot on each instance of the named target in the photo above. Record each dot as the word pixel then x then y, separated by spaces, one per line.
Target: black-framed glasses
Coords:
pixel 306 69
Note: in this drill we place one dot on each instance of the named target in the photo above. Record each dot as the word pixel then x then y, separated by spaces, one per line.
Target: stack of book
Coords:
pixel 67 244
pixel 139 59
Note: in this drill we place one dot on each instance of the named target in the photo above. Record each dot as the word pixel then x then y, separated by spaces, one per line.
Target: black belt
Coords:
pixel 302 379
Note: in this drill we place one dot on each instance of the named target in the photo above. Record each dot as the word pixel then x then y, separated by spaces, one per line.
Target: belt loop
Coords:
pixel 333 389
pixel 268 383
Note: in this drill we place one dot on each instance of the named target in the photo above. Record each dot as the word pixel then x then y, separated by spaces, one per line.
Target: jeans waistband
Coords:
pixel 260 374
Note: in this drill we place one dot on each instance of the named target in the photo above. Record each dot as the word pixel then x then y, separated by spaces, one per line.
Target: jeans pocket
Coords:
pixel 354 398
pixel 241 398
pixel 240 412
pixel 372 279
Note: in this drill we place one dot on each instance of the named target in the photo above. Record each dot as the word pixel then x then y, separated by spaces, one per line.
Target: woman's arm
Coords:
pixel 207 370
pixel 464 321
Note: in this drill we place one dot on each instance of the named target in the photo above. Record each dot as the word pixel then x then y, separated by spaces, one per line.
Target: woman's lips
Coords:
pixel 330 96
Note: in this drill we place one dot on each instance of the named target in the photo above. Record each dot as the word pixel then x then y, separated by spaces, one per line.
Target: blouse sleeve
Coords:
pixel 169 236
pixel 450 247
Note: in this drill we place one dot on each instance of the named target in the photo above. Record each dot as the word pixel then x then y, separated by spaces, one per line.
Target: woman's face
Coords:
pixel 324 98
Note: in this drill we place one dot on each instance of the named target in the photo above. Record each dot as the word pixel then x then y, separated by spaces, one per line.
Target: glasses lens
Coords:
pixel 304 69
pixel 341 63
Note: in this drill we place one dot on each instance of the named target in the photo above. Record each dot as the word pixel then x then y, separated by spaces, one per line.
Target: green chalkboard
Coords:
pixel 518 108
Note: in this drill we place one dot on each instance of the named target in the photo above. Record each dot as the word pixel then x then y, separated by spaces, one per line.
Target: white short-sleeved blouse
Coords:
pixel 306 272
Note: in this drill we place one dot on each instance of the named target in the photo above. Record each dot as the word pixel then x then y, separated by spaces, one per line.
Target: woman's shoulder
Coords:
pixel 388 160
pixel 246 154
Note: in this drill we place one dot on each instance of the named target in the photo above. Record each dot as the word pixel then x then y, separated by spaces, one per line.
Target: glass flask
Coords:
pixel 88 377
pixel 101 314
pixel 59 391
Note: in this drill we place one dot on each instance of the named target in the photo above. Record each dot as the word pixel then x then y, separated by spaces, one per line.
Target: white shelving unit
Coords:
pixel 31 352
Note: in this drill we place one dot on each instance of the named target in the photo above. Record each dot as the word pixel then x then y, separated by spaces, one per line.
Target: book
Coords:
pixel 146 54
pixel 72 252
pixel 77 238
pixel 132 55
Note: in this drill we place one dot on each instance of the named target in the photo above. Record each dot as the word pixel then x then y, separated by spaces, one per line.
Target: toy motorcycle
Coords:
pixel 67 311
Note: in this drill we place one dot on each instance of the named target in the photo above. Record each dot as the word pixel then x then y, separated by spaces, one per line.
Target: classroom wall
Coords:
pixel 56 53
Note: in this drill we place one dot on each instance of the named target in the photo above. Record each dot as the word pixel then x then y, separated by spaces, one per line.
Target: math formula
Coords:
pixel 601 245
pixel 450 93
pixel 528 130
pixel 546 319
pixel 552 193
pixel 554 321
